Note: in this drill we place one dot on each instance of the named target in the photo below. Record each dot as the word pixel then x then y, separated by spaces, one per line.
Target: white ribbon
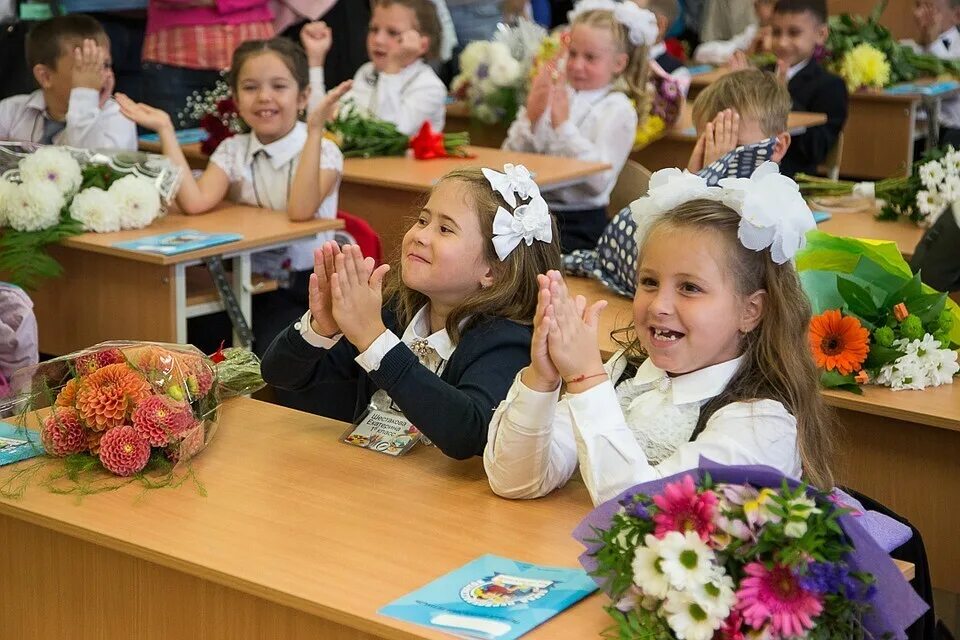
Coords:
pixel 527 223
pixel 515 179
pixel 865 190
pixel 641 24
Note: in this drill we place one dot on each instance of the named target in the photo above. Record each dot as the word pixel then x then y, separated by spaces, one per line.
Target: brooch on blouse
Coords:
pixel 420 347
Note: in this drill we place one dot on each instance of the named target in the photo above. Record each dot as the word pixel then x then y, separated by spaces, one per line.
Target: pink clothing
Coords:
pixel 168 14
pixel 289 12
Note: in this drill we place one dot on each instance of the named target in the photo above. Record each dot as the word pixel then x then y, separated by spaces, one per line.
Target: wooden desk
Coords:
pixel 898 447
pixel 863 224
pixel 107 293
pixel 300 537
pixel 675 147
pixel 388 191
pixel 195 157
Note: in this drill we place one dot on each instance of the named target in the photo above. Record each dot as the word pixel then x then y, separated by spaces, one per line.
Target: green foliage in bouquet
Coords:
pixel 363 136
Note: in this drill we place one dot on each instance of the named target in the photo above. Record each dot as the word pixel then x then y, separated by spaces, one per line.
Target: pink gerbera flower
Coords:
pixel 775 597
pixel 683 509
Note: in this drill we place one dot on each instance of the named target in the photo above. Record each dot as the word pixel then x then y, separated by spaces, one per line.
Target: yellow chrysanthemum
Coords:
pixel 865 66
pixel 648 132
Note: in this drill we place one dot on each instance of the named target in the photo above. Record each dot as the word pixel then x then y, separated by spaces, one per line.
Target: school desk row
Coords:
pixel 298 537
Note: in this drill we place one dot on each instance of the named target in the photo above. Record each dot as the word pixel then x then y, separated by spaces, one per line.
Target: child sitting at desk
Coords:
pixel 439 348
pixel 282 164
pixel 742 120
pixel 397 85
pixel 70 60
pixel 19 346
pixel 589 110
pixel 799 26
pixel 667 12
pixel 937 22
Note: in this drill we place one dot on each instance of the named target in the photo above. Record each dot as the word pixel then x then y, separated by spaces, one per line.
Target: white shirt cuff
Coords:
pixel 370 359
pixel 317 80
pixel 531 410
pixel 83 100
pixel 313 338
pixel 596 401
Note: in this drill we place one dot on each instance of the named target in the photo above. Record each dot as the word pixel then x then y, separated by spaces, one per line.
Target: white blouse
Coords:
pixel 406 98
pixel 261 174
pixel 601 128
pixel 636 432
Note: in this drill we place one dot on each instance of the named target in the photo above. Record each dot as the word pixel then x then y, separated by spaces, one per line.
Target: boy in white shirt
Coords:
pixel 937 21
pixel 70 60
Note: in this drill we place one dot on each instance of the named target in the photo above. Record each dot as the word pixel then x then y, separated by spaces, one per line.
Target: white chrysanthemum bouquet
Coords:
pixel 49 193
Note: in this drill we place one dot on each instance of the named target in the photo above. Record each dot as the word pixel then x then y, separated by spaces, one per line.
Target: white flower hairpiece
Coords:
pixel 529 221
pixel 772 212
pixel 641 24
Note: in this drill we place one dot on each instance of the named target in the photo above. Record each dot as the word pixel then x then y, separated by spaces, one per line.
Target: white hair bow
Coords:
pixel 515 179
pixel 529 221
pixel 641 24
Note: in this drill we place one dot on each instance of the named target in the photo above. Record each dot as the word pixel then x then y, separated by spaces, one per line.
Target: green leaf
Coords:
pixel 927 306
pixel 858 300
pixel 831 379
pixel 880 355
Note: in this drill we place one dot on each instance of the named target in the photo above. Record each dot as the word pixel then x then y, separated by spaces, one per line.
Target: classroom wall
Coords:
pixel 898 16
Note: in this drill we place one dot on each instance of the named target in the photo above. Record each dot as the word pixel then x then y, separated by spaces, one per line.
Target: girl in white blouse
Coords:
pixel 396 85
pixel 588 108
pixel 721 333
pixel 282 164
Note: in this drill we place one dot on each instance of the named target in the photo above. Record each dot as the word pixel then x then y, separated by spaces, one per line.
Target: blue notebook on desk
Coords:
pixel 493 598
pixel 184 136
pixel 820 216
pixel 699 69
pixel 178 242
pixel 923 88
pixel 18 444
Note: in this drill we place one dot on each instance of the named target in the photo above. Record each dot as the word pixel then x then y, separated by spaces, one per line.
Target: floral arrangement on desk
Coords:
pixel 922 196
pixel 216 113
pixel 724 553
pixel 49 193
pixel 132 409
pixel 360 135
pixel 865 54
pixel 875 322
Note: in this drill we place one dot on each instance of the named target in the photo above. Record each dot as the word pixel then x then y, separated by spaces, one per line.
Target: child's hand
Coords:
pixel 541 375
pixel 539 96
pixel 318 290
pixel 928 18
pixel 573 343
pixel 143 114
pixel 720 136
pixel 739 61
pixel 410 46
pixel 357 294
pixel 559 101
pixel 326 110
pixel 695 164
pixel 88 67
pixel 317 38
pixel 782 70
pixel 109 83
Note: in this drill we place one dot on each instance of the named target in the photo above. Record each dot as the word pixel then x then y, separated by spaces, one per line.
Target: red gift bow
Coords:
pixel 428 144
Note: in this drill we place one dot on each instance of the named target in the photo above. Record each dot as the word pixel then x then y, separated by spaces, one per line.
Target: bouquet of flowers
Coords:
pixel 216 113
pixel 865 54
pixel 876 322
pixel 741 552
pixel 132 409
pixel 50 193
pixel 933 184
pixel 361 135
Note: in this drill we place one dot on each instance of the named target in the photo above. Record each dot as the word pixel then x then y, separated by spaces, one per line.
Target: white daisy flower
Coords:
pixel 686 560
pixel 929 202
pixel 647 573
pixel 951 162
pixel 799 509
pixel 688 619
pixel 34 207
pixel 950 189
pixel 52 165
pixel 932 174
pixel 137 201
pixel 7 189
pixel 96 209
pixel 944 368
pixel 717 596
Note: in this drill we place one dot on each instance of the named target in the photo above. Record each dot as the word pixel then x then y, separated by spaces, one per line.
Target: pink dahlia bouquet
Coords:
pixel 736 553
pixel 130 408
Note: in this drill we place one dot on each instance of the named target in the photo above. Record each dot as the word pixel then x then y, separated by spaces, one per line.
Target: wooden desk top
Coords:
pixel 408 174
pixel 939 407
pixel 863 224
pixel 259 228
pixel 293 516
pixel 797 121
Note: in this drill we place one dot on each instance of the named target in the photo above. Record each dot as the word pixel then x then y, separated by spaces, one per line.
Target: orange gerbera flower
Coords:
pixel 108 395
pixel 838 342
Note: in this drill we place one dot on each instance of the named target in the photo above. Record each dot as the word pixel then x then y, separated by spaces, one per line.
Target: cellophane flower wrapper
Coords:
pixel 895 605
pixel 123 404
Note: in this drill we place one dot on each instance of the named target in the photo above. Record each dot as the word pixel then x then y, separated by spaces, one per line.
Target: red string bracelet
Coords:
pixel 583 377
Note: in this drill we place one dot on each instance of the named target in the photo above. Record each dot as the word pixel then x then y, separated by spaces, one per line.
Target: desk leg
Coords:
pixel 932 104
pixel 180 296
pixel 241 290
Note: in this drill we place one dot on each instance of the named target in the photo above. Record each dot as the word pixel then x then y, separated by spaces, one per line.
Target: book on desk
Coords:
pixel 176 242
pixel 17 443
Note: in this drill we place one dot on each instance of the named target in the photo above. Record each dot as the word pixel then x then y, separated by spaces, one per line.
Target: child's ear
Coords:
pixel 486 280
pixel 620 63
pixel 304 98
pixel 780 147
pixel 752 312
pixel 424 45
pixel 823 32
pixel 662 26
pixel 43 75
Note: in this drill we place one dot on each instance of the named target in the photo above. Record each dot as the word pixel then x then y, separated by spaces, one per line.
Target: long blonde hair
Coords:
pixel 513 294
pixel 633 80
pixel 777 363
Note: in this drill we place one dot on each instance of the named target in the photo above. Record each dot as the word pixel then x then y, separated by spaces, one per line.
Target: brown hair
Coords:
pixel 754 94
pixel 292 54
pixel 637 71
pixel 513 294
pixel 777 363
pixel 816 8
pixel 427 21
pixel 48 40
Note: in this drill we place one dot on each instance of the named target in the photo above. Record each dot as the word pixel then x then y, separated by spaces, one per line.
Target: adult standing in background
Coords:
pixel 347 19
pixel 189 42
pixel 477 20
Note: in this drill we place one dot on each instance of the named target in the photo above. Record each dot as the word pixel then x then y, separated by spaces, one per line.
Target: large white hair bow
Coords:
pixel 641 24
pixel 529 221
pixel 772 212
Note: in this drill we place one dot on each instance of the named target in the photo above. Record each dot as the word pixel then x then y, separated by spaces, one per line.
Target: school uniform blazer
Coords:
pixel 453 409
pixel 815 89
